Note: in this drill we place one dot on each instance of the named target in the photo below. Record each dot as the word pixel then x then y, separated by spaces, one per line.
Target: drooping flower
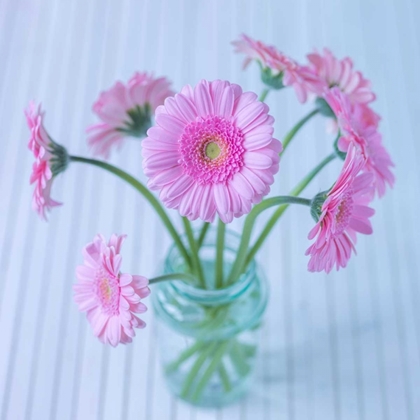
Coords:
pixel 126 110
pixel 343 213
pixel 278 69
pixel 50 159
pixel 358 125
pixel 331 71
pixel 211 151
pixel 109 297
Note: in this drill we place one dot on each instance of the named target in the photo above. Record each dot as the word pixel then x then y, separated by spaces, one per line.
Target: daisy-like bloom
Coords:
pixel 109 297
pixel 330 72
pixel 126 110
pixel 50 160
pixel 211 151
pixel 343 214
pixel 358 125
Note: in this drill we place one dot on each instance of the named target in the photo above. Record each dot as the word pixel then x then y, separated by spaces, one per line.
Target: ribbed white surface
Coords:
pixel 344 346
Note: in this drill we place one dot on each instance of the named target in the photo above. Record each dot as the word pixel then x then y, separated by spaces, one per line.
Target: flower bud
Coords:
pixel 324 108
pixel 317 203
pixel 59 159
pixel 140 121
pixel 273 81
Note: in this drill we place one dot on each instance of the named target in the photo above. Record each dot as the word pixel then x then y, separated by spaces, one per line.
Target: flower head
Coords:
pixel 126 110
pixel 343 214
pixel 50 160
pixel 358 125
pixel 109 297
pixel 211 151
pixel 330 72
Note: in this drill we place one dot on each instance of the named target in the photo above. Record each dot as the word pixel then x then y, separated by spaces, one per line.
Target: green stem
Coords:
pixel 220 244
pixel 173 276
pixel 215 362
pixel 194 251
pixel 145 193
pixel 185 355
pixel 227 386
pixel 239 264
pixel 216 316
pixel 289 136
pixel 296 191
pixel 202 235
pixel 238 359
pixel 248 350
pixel 192 374
pixel 263 95
pixel 338 152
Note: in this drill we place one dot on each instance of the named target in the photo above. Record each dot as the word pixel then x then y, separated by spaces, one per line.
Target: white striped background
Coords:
pixel 343 346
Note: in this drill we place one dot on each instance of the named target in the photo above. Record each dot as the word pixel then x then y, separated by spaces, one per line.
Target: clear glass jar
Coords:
pixel 208 338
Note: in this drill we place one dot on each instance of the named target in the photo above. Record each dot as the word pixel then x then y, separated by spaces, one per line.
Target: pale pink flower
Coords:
pixel 126 110
pixel 50 159
pixel 109 297
pixel 292 73
pixel 343 214
pixel 331 71
pixel 211 151
pixel 358 125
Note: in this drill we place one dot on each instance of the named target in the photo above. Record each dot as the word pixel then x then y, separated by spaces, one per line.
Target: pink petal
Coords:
pixel 362 226
pixel 203 99
pixel 183 183
pixel 242 186
pixel 256 160
pixel 221 196
pixel 257 141
pixel 248 114
pixel 170 124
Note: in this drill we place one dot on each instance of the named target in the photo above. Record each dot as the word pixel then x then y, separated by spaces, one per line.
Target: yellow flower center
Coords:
pixel 105 289
pixel 212 150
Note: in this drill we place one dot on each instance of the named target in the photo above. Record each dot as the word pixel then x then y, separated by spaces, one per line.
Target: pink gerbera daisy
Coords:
pixel 331 71
pixel 109 297
pixel 211 151
pixel 358 125
pixel 343 213
pixel 50 160
pixel 126 110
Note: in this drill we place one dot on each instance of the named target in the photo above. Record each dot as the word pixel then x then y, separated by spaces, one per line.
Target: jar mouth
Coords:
pixel 175 263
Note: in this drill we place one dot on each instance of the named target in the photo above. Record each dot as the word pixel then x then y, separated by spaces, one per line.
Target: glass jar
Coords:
pixel 208 338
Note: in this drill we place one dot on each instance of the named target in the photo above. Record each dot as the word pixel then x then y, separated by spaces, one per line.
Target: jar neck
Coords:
pixel 210 295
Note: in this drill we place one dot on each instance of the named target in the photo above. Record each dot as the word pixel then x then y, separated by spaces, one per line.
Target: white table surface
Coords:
pixel 343 346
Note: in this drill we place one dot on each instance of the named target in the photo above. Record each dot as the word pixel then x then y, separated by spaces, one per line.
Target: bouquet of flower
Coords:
pixel 209 153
